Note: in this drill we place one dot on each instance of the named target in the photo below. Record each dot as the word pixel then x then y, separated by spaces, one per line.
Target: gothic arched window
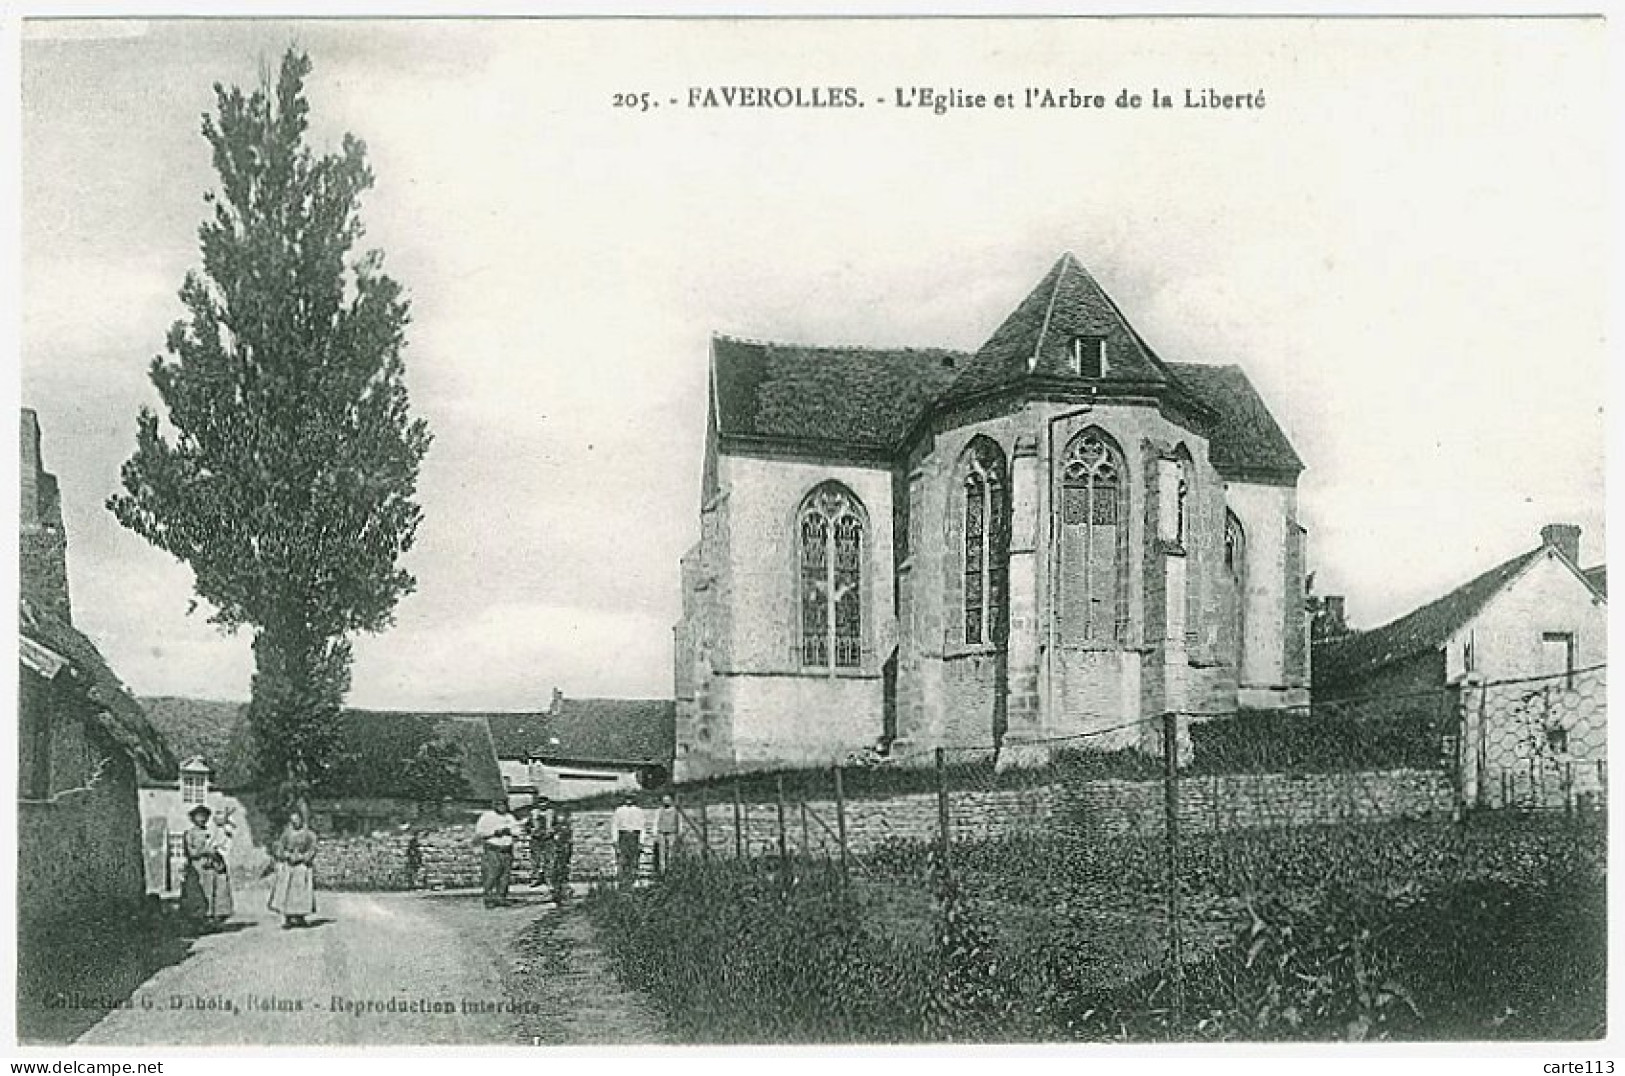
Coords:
pixel 1235 546
pixel 1234 623
pixel 1094 532
pixel 987 543
pixel 830 526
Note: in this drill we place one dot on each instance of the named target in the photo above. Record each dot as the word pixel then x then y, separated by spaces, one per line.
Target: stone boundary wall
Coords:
pixel 451 860
pixel 1093 809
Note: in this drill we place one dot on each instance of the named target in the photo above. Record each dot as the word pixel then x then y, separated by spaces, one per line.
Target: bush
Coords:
pixel 1322 741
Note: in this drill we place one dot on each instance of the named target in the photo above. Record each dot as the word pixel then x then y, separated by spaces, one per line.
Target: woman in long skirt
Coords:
pixel 221 904
pixel 205 889
pixel 293 893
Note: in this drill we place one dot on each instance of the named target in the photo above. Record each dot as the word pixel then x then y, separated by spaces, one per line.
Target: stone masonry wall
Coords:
pixel 1106 808
pixel 451 860
pixel 1094 809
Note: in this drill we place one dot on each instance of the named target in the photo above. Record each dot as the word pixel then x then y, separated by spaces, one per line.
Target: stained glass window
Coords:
pixel 831 535
pixel 987 543
pixel 1094 594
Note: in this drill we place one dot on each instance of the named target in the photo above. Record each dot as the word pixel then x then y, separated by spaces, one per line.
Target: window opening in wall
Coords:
pixel 1558 655
pixel 831 558
pixel 1094 594
pixel 986 552
pixel 1088 356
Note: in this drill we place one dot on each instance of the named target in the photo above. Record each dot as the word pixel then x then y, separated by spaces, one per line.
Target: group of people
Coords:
pixel 547 832
pixel 206 899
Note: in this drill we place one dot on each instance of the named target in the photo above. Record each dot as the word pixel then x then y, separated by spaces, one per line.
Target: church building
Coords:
pixel 1047 543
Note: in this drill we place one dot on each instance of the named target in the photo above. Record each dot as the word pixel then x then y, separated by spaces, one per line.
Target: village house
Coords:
pixel 1060 535
pixel 81 738
pixel 584 747
pixel 399 768
pixel 391 769
pixel 210 738
pixel 1533 630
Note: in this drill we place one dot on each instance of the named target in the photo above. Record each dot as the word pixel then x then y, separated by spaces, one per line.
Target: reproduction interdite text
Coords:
pixel 265 1003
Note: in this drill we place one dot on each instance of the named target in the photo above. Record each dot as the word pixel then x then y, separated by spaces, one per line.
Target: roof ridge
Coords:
pixel 873 348
pixel 1049 309
pixel 1500 566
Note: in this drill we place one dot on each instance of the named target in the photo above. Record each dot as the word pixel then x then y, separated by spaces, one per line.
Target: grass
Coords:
pixel 1402 930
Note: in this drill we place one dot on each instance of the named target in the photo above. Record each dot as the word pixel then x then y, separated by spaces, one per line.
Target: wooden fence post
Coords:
pixel 942 815
pixel 705 826
pixel 784 842
pixel 1170 786
pixel 840 823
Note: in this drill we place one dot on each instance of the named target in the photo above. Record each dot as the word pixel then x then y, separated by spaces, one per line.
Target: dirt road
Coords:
pixel 387 968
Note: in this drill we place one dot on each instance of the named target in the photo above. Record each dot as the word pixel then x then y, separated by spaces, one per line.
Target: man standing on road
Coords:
pixel 626 831
pixel 563 842
pixel 665 834
pixel 539 834
pixel 495 831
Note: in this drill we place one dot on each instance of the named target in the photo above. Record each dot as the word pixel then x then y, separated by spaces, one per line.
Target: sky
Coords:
pixel 1405 248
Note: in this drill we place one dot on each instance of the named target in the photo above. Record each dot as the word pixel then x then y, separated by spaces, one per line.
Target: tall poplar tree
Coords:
pixel 285 471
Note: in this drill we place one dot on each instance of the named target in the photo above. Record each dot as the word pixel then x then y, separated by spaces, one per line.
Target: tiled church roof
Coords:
pixel 1034 339
pixel 1245 436
pixel 867 399
pixel 864 397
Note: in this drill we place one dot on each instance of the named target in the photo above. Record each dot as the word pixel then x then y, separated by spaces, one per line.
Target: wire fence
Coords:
pixel 1156 866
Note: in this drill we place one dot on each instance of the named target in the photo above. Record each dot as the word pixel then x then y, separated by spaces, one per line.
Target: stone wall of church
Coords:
pixel 753 701
pixel 744 700
pixel 947 688
pixel 1273 671
pixel 950 692
pixel 1095 689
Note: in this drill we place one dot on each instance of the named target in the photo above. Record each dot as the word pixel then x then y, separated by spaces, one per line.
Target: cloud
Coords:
pixel 508 655
pixel 84 29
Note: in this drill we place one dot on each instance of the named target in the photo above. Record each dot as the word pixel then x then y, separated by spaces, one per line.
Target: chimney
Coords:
pixel 43 564
pixel 1327 618
pixel 1563 537
pixel 32 467
pixel 558 702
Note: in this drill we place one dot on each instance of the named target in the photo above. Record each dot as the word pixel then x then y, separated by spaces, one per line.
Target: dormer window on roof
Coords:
pixel 1088 356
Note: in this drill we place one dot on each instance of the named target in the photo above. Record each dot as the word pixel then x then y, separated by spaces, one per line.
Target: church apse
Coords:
pixel 1061 500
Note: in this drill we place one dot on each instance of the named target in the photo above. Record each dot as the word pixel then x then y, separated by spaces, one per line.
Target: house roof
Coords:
pixel 114 710
pixel 216 732
pixel 1341 660
pixel 869 399
pixel 377 745
pixel 374 745
pixel 639 732
pixel 515 734
pixel 1597 577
